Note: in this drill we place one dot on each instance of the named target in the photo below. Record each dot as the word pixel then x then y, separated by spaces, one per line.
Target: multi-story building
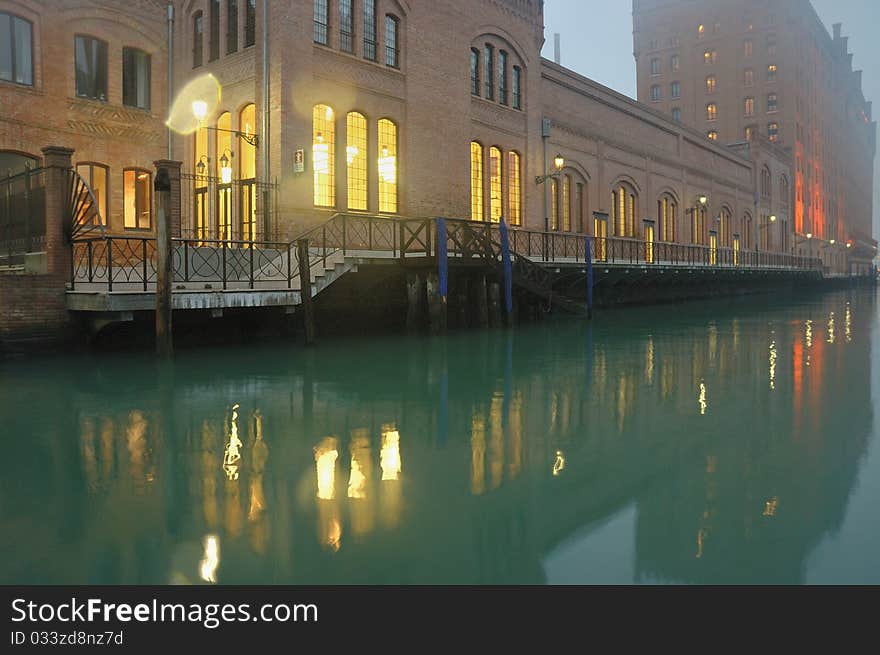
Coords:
pixel 744 69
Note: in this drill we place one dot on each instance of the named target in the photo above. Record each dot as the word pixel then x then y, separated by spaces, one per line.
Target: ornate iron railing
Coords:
pixel 22 215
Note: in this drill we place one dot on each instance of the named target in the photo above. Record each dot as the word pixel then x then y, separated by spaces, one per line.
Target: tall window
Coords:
pixel 712 135
pixel 214 39
pixel 388 166
pixel 749 107
pixel 749 77
pixel 554 204
pixel 711 112
pixel 502 77
pixel 710 57
pixel 16 50
pixel 784 191
pixel 346 26
pixel 223 142
pixel 566 203
pixel 749 132
pixel 666 210
pixel 91 68
pixel 135 78
pixel 771 73
pixel 324 156
pixel 766 184
pixel 250 23
pixel 231 26
pixel 772 102
pixel 495 199
pixel 322 24
pixel 517 87
pixel 655 93
pixel 356 160
pixel 475 72
pixel 96 175
pixel 676 114
pixel 655 66
pixel 198 29
pixel 674 63
pixel 675 90
pixel 136 199
pixel 773 131
pixel 476 181
pixel 392 42
pixel 247 123
pixel 748 48
pixel 724 227
pixel 698 225
pixel 223 149
pixel 710 84
pixel 514 188
pixel 623 210
pixel 490 72
pixel 580 206
pixel 370 30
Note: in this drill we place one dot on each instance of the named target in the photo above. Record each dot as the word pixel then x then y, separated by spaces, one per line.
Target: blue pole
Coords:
pixel 589 259
pixel 508 271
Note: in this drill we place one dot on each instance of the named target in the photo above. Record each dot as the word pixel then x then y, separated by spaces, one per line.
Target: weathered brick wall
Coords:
pixel 32 307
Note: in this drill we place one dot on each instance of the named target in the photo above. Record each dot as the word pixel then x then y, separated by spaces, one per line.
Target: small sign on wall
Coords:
pixel 299 161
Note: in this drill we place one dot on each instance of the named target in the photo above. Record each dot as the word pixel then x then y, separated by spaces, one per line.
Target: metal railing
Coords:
pixel 22 215
pixel 130 262
pixel 243 210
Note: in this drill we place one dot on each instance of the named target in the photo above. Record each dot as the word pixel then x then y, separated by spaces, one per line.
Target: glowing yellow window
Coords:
pixel 566 204
pixel 356 160
pixel 514 188
pixel 476 181
pixel 495 184
pixel 247 123
pixel 323 156
pixel 554 204
pixel 387 166
pixel 224 140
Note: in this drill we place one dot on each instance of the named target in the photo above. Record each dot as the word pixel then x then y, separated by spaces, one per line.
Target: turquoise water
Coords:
pixel 720 442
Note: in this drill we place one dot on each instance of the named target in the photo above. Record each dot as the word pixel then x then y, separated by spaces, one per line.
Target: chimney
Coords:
pixel 557 49
pixel 837 27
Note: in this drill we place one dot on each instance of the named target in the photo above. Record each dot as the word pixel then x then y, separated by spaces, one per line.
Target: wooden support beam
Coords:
pixel 305 279
pixel 164 274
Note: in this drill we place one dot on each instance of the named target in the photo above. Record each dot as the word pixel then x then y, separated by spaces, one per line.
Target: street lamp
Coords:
pixel 200 110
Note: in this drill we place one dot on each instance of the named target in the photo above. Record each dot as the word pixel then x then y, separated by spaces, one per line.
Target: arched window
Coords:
pixel 554 204
pixel 12 162
pixel 198 29
pixel 712 135
pixel 623 209
pixel 489 67
pixel 724 227
pixel 392 41
pixel 388 166
pixel 16 49
pixel 711 83
pixel 96 176
pixel 710 57
pixel 224 141
pixel 223 156
pixel 766 191
pixel 137 199
pixel 475 72
pixel 495 177
pixel 711 112
pixel 356 160
pixel 200 152
pixel 784 191
pixel 476 181
pixel 324 156
pixel 667 209
pixel 747 230
pixel 514 188
pixel 517 87
pixel 676 114
pixel 699 225
pixel 565 202
pixel 247 124
pixel 502 76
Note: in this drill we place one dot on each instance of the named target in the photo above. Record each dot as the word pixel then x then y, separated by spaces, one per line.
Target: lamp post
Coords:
pixel 558 164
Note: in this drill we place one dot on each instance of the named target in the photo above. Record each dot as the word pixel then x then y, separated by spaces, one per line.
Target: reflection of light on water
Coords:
pixel 389 457
pixel 649 361
pixel 325 468
pixel 559 464
pixel 361 511
pixel 770 507
pixel 808 334
pixel 831 328
pixel 701 400
pixel 701 535
pixel 847 325
pixel 211 559
pixel 232 452
pixel 773 364
pixel 478 455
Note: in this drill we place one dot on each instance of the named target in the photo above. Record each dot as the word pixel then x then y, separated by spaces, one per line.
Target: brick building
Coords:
pixel 746 70
pixel 390 107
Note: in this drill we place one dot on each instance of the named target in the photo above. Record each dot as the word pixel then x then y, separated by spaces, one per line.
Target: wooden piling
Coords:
pixel 462 313
pixel 494 305
pixel 481 301
pixel 437 309
pixel 164 274
pixel 305 278
pixel 415 292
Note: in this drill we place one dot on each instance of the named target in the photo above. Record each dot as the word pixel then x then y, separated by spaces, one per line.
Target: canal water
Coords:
pixel 712 442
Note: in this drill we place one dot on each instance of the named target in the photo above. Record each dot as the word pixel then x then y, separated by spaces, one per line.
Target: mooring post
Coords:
pixel 589 259
pixel 494 305
pixel 481 302
pixel 305 289
pixel 164 275
pixel 436 304
pixel 414 293
pixel 507 269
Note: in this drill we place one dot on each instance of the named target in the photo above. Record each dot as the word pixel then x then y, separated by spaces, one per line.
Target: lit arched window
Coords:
pixel 137 199
pixel 387 166
pixel 711 111
pixel 356 160
pixel 554 204
pixel 566 203
pixel 224 141
pixel 495 176
pixel 200 151
pixel 724 227
pixel 476 181
pixel 247 122
pixel 712 135
pixel 514 186
pixel 699 224
pixel 711 83
pixel 666 214
pixel 324 156
pixel 623 209
pixel 710 57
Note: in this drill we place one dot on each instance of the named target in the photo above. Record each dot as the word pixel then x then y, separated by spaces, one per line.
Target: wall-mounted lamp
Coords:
pixel 558 163
pixel 203 162
pixel 226 167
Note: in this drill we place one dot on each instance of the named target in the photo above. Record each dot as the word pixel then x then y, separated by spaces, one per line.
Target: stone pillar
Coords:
pixel 57 161
pixel 174 206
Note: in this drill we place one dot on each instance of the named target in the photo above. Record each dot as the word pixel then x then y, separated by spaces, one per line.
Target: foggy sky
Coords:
pixel 597 43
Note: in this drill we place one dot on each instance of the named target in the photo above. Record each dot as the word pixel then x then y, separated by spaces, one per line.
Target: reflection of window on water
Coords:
pixel 326 455
pixel 389 458
pixel 211 558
